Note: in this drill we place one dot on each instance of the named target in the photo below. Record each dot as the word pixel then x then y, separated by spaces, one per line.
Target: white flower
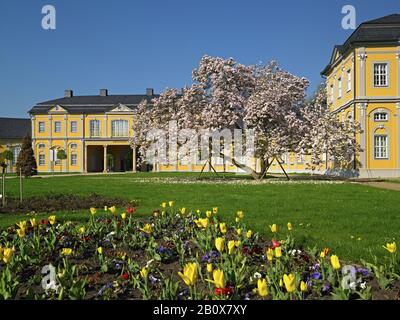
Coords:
pixel 363 285
pixel 352 286
pixel 257 275
pixel 149 263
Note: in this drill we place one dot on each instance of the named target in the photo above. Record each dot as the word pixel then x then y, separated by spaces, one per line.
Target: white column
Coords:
pixel 134 159
pixel 105 159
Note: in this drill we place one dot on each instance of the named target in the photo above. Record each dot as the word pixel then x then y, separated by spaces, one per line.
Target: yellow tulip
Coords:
pixel 238 243
pixel 183 211
pixel 290 282
pixel 112 209
pixel 189 275
pixel 281 283
pixel 303 286
pixel 335 262
pixel 82 230
pixel 22 225
pixel 220 244
pixel 52 220
pixel 100 250
pixel 322 254
pixel 240 214
pixel 147 228
pixel 249 234
pixel 66 251
pixel 7 255
pixel 164 205
pixel 278 252
pixel 209 267
pixel 33 223
pixel 289 226
pixel 93 211
pixel 391 247
pixel 270 254
pixel 208 214
pixel 222 227
pixel 202 222
pixel 262 287
pixel 231 246
pixel 171 204
pixel 215 210
pixel 219 279
pixel 21 233
pixel 237 220
pixel 274 228
pixel 144 272
pixel 123 216
pixel 239 231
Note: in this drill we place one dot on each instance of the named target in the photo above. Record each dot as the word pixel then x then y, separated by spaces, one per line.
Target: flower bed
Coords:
pixel 53 202
pixel 178 254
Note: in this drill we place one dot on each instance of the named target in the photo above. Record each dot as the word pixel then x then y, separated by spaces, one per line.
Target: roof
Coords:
pixel 91 104
pixel 377 31
pixel 14 128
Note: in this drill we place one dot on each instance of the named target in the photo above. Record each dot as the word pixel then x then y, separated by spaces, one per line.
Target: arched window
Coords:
pixel 41 146
pixel 119 128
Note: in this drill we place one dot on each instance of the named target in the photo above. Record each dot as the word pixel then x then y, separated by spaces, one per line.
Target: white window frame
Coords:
pixel 74 146
pixel 381 74
pixel 349 80
pixel 381 146
pixel 120 128
pixel 74 126
pixel 16 151
pixel 94 126
pixel 42 159
pixel 74 159
pixel 340 88
pixel 332 93
pixel 57 126
pixel 41 127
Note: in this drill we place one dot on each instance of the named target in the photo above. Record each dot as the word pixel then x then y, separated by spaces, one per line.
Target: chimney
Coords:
pixel 149 92
pixel 103 92
pixel 68 93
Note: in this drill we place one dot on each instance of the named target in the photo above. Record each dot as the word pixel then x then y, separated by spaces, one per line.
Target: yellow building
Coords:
pixel 363 83
pixel 12 131
pixel 93 131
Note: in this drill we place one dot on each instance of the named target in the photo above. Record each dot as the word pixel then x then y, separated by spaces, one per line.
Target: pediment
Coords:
pixel 58 109
pixel 121 108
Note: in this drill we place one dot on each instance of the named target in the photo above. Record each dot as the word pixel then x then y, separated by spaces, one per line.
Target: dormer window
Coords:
pixel 380 116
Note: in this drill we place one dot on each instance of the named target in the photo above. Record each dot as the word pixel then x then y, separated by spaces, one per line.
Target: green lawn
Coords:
pixel 326 215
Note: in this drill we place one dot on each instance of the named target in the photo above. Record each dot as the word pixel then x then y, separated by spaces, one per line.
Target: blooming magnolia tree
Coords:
pixel 273 111
pixel 265 99
pixel 324 133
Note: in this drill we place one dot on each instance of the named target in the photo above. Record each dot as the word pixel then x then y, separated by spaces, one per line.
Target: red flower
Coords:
pixel 130 210
pixel 44 221
pixel 227 291
pixel 125 276
pixel 275 244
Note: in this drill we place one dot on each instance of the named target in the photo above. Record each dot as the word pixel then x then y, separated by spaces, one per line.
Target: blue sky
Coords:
pixel 126 46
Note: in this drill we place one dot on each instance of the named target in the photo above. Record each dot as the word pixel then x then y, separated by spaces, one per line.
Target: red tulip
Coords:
pixel 125 276
pixel 130 210
pixel 275 244
pixel 227 291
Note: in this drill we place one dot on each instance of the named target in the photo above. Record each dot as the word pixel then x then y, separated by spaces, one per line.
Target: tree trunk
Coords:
pixel 256 175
